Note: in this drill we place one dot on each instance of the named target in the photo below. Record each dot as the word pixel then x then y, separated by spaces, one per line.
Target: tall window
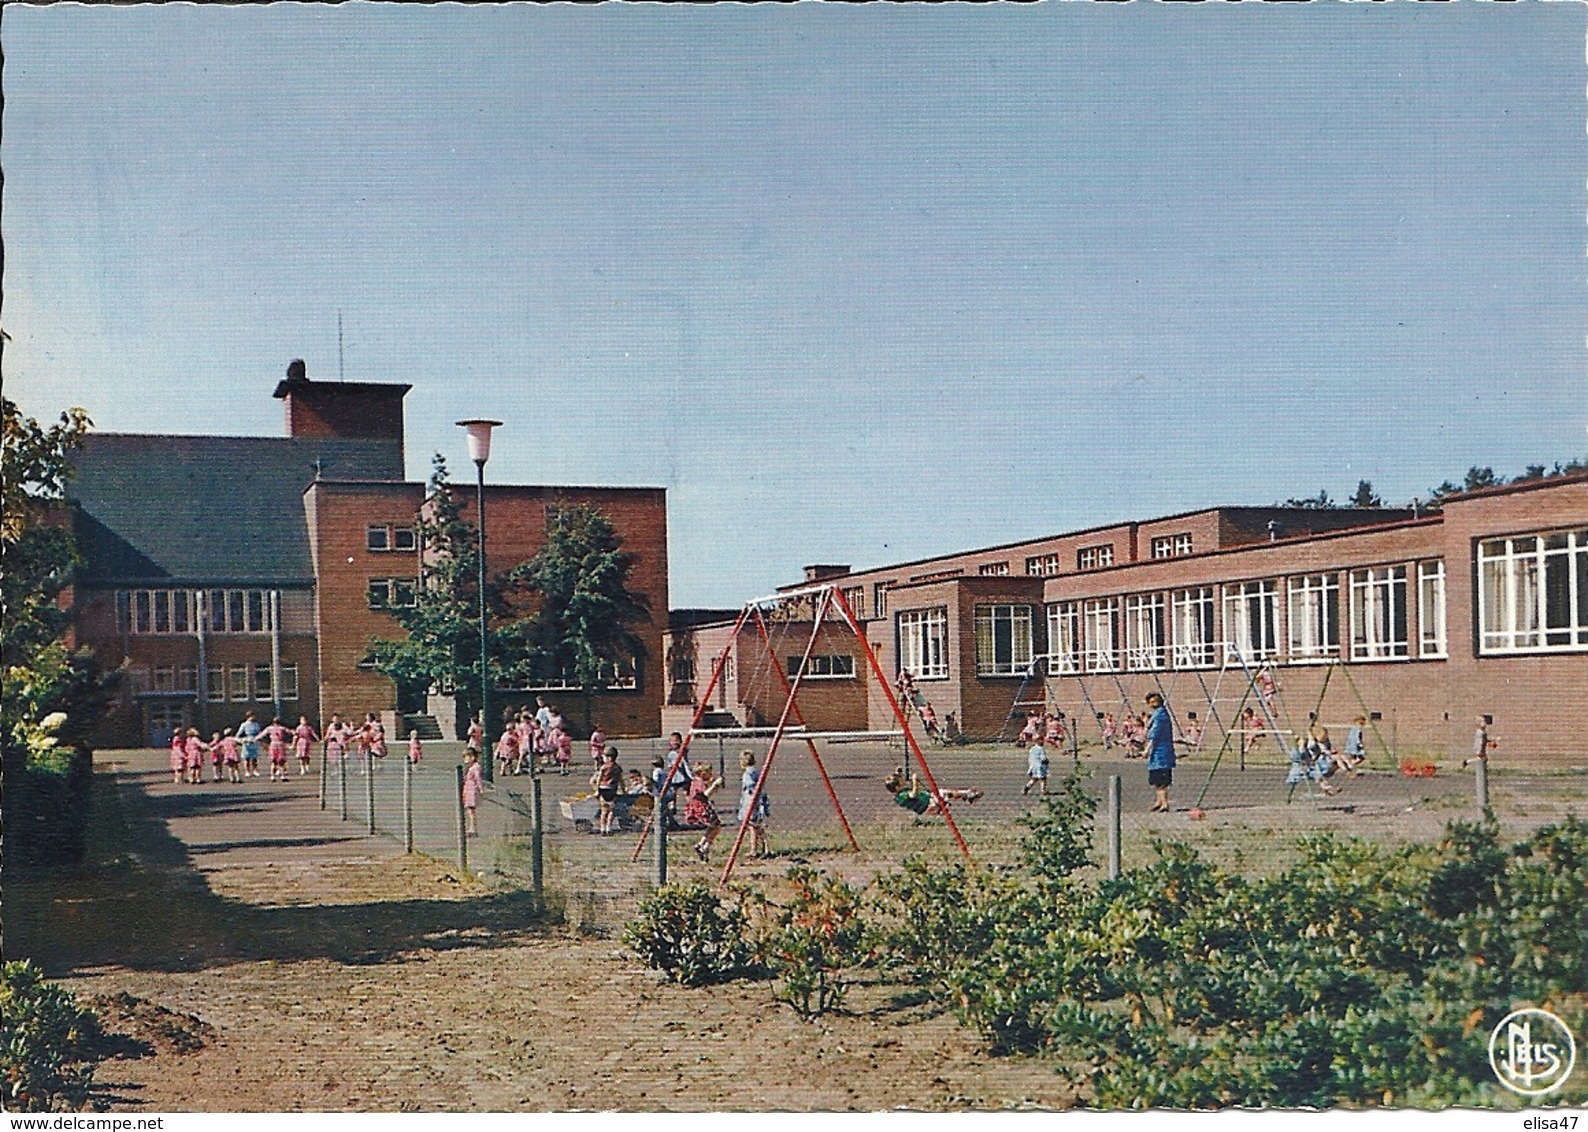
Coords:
pixel 1100 624
pixel 879 598
pixel 239 681
pixel 923 643
pixel 1533 593
pixel 1378 613
pixel 1144 650
pixel 160 611
pixel 1003 640
pixel 1094 557
pixel 262 688
pixel 216 675
pixel 1314 616
pixel 1042 565
pixel 1064 638
pixel 1431 639
pixel 1251 621
pixel 289 680
pixel 856 597
pixel 1192 622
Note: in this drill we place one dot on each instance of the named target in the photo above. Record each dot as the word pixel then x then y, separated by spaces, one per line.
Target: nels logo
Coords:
pixel 1532 1052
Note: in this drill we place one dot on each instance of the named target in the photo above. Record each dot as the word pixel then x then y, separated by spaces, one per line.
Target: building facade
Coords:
pixel 225 575
pixel 1422 622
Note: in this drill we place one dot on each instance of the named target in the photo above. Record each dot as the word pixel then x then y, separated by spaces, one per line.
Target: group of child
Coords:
pixel 541 738
pixel 1314 757
pixel 698 784
pixel 233 753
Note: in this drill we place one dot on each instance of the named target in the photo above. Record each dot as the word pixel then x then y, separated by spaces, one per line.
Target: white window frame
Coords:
pixel 1144 633
pixel 1095 557
pixel 824 666
pixel 614 678
pixel 1378 613
pixel 1313 616
pixel 993 569
pixel 879 598
pixel 1100 632
pixel 164 678
pixel 1533 593
pixel 289 680
pixel 216 674
pixel 1064 638
pixel 856 597
pixel 377 538
pixel 264 691
pixel 1042 565
pixel 1257 639
pixel 239 682
pixel 1171 546
pixel 992 620
pixel 1433 638
pixel 162 613
pixel 923 642
pixel 1194 644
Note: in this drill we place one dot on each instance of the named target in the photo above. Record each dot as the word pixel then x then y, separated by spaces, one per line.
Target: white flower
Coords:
pixel 53 721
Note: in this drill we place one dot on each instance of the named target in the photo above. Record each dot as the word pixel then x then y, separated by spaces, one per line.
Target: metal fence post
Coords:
pixel 1115 804
pixel 369 790
pixel 536 857
pixel 408 805
pixel 659 835
pixel 463 826
pixel 341 767
pixel 322 778
pixel 1481 781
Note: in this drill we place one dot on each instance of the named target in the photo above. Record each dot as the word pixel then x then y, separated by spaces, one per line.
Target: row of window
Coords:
pixel 236 682
pixel 392 593
pixel 166 611
pixel 1532 597
pixel 380 538
pixel 838 666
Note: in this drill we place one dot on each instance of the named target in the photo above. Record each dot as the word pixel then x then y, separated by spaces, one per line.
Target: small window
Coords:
pixel 1094 557
pixel 239 682
pixel 379 593
pixel 378 538
pixel 289 680
pixel 837 667
pixel 164 678
pixel 1171 546
pixel 993 569
pixel 404 593
pixel 262 688
pixel 216 691
pixel 187 678
pixel 404 538
pixel 1042 565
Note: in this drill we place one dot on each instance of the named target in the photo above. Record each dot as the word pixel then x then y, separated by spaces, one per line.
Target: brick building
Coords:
pixel 1481 608
pixel 235 574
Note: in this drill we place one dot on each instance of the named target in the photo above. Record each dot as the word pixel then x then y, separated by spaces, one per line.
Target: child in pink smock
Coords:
pixel 598 745
pixel 304 738
pixel 178 758
pixel 416 749
pixel 194 750
pixel 473 787
pixel 562 743
pixel 215 755
pixel 231 757
pixel 276 734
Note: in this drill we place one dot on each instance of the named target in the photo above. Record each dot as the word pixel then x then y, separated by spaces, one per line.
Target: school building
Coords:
pixel 227 574
pixel 1423 622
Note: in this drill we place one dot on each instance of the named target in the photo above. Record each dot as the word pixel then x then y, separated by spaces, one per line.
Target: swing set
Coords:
pixel 827 602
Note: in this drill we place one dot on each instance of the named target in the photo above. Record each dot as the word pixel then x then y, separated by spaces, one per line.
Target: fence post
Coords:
pixel 659 835
pixel 322 778
pixel 408 804
pixel 341 768
pixel 463 826
pixel 536 859
pixel 1481 781
pixel 1115 799
pixel 369 790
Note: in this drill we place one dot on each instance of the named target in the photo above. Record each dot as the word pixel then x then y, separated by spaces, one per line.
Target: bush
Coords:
pixel 1060 841
pixel 685 930
pixel 818 935
pixel 48 1044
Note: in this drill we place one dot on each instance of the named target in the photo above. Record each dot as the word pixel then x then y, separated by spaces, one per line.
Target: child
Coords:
pixel 178 757
pixel 248 738
pixel 1036 769
pixel 216 755
pixel 1481 743
pixel 231 757
pixel 607 781
pixel 762 806
pixel 303 738
pixel 929 722
pixel 194 750
pixel 598 745
pixel 562 743
pixel 376 732
pixel 416 748
pixel 1108 732
pixel 473 786
pixel 277 734
pixel 1192 735
pixel 700 813
pixel 1053 731
pixel 476 735
pixel 917 799
pixel 1355 753
pixel 506 750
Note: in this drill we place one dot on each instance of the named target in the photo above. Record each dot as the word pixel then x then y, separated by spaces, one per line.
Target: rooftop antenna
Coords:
pixel 341 370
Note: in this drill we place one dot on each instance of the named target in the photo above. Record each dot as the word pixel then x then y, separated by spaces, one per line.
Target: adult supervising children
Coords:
pixel 1160 752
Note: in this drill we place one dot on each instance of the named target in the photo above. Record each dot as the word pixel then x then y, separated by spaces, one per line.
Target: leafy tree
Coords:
pixel 578 586
pixel 49 691
pixel 1479 478
pixel 1365 495
pixel 1320 502
pixel 442 645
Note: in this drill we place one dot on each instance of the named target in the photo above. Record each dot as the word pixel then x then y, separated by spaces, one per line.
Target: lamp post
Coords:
pixel 480 451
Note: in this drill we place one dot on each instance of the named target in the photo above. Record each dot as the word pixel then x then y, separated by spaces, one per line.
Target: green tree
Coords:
pixel 1319 502
pixel 1365 495
pixel 578 586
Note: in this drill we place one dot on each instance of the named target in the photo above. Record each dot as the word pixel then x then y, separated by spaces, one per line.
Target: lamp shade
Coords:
pixel 479 438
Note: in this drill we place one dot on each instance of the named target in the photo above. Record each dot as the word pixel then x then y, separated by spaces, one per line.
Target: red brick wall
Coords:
pixel 347 410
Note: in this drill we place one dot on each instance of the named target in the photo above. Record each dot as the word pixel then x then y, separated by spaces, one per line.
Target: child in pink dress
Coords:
pixel 506 750
pixel 598 745
pixel 276 734
pixel 216 755
pixel 473 786
pixel 304 737
pixel 178 758
pixel 416 749
pixel 562 743
pixel 194 750
pixel 231 756
pixel 1108 732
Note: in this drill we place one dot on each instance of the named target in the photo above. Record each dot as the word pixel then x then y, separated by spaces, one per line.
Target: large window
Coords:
pixel 1100 626
pixel 1533 593
pixel 610 678
pixel 1314 616
pixel 1191 614
pixel 160 611
pixel 1144 650
pixel 1064 638
pixel 923 643
pixel 1003 640
pixel 835 667
pixel 1251 621
pixel 1378 613
pixel 1431 640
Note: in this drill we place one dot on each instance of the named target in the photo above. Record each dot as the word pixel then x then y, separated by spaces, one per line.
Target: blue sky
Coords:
pixel 855 284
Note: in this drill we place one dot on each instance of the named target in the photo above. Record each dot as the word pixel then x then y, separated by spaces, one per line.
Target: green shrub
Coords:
pixel 1060 837
pixel 685 930
pixel 48 1044
pixel 817 936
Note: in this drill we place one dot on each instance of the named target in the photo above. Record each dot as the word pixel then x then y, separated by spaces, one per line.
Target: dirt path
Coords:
pixel 259 957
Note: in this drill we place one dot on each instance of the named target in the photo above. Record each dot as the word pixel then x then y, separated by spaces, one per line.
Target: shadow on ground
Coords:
pixel 138 901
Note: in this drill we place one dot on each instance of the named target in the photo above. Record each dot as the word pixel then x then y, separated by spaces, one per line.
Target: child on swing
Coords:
pixel 918 799
pixel 700 813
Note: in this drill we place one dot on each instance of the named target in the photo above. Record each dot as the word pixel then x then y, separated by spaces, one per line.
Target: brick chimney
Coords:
pixel 341 409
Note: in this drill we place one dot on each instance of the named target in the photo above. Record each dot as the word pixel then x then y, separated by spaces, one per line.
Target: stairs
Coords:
pixel 426 725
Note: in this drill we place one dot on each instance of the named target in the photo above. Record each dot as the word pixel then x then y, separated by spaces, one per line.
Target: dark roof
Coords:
pixel 206 509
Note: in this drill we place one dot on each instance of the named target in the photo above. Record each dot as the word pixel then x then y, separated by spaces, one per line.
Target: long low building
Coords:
pixel 1423 623
pixel 224 575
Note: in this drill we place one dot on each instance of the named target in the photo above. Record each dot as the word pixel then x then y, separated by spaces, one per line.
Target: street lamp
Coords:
pixel 480 451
